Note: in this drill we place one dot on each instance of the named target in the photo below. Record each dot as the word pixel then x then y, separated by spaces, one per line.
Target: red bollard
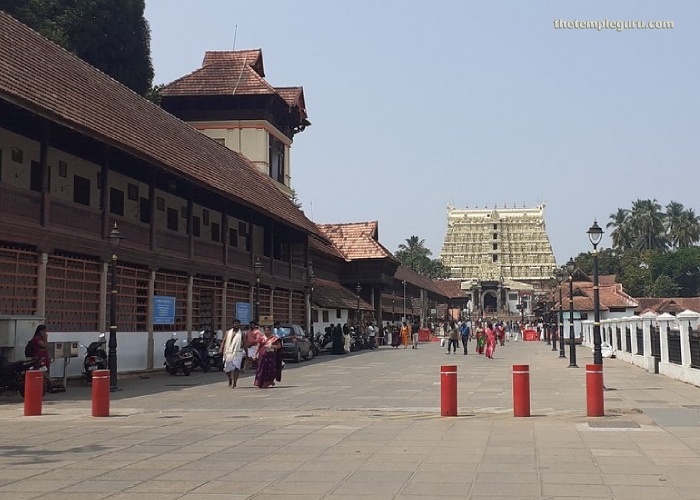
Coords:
pixel 521 390
pixel 595 403
pixel 100 393
pixel 448 391
pixel 33 392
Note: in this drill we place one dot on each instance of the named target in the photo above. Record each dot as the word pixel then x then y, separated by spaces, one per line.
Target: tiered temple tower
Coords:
pixel 495 251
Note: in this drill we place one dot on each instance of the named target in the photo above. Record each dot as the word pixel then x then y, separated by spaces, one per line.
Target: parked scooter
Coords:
pixel 316 343
pixel 12 373
pixel 213 345
pixel 95 357
pixel 177 360
pixel 198 348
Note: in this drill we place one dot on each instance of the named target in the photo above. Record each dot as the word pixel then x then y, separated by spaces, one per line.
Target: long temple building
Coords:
pixel 502 255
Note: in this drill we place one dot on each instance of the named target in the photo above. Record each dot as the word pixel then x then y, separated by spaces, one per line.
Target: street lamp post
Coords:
pixel 358 289
pixel 257 269
pixel 560 279
pixel 545 325
pixel 115 238
pixel 572 347
pixel 312 282
pixel 555 321
pixel 595 234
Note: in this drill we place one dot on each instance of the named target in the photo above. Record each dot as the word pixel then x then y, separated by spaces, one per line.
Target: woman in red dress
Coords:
pixel 490 340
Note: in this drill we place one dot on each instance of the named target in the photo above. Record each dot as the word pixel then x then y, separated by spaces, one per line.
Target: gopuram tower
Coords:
pixel 502 255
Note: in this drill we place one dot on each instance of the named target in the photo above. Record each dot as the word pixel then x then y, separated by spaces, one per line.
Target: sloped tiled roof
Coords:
pixel 452 289
pixel 40 76
pixel 660 305
pixel 356 240
pixel 611 296
pixel 331 294
pixel 326 248
pixel 238 72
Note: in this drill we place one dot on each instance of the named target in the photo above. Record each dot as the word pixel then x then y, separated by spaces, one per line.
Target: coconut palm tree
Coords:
pixel 622 232
pixel 674 214
pixel 686 231
pixel 647 222
pixel 413 254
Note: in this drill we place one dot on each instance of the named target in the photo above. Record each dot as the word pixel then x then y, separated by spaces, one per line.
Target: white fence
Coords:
pixel 665 344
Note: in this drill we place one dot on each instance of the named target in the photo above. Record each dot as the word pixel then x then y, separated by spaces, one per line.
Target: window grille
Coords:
pixel 18 281
pixel 132 297
pixel 72 293
pixel 173 284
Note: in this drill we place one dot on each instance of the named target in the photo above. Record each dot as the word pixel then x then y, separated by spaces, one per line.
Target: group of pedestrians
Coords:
pixel 487 335
pixel 405 335
pixel 245 350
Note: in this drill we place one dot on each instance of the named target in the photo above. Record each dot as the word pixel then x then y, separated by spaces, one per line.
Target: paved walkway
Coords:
pixel 363 426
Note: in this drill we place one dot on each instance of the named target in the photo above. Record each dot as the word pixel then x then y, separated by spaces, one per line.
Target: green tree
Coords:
pixel 686 231
pixel 608 262
pixel 621 233
pixel 413 254
pixel 647 222
pixel 663 286
pixel 112 36
pixel 416 257
pixel 682 266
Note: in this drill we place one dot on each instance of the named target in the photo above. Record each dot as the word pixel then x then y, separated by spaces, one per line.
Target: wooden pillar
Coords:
pixel 43 162
pixel 190 302
pixel 102 315
pixel 149 319
pixel 41 285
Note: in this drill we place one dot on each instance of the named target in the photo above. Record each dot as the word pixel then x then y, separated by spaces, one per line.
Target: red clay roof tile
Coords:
pixel 50 81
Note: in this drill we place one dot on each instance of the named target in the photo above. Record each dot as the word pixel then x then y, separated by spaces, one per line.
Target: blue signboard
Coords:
pixel 163 310
pixel 243 312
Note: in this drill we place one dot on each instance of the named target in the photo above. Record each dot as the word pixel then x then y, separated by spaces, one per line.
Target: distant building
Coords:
pixel 502 255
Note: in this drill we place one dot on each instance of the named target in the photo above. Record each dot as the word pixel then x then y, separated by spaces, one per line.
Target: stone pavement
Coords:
pixel 363 426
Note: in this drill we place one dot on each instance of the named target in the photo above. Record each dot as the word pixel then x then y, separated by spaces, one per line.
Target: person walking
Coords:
pixel 269 360
pixel 452 338
pixel 395 336
pixel 464 332
pixel 414 334
pixel 372 333
pixel 252 337
pixel 233 353
pixel 405 331
pixel 480 339
pixel 490 340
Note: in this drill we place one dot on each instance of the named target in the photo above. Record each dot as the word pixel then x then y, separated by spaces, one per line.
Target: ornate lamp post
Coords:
pixel 358 289
pixel 257 269
pixel 572 347
pixel 554 319
pixel 595 234
pixel 312 282
pixel 560 279
pixel 115 238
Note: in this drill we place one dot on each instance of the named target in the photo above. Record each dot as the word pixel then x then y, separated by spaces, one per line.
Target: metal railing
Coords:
pixel 694 338
pixel 618 337
pixel 673 337
pixel 640 341
pixel 628 339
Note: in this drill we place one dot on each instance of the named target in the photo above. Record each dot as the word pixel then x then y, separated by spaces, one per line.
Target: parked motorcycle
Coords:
pixel 214 357
pixel 198 348
pixel 12 373
pixel 176 359
pixel 95 357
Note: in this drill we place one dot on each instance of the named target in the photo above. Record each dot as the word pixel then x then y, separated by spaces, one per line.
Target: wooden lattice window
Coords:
pixel 18 281
pixel 173 284
pixel 299 309
pixel 72 293
pixel 235 292
pixel 265 296
pixel 281 306
pixel 206 301
pixel 132 298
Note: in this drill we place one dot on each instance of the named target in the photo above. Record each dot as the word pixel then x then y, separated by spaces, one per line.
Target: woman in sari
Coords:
pixel 395 336
pixel 490 340
pixel 480 339
pixel 405 334
pixel 269 360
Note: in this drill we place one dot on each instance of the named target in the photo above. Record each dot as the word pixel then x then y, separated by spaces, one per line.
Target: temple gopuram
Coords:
pixel 502 255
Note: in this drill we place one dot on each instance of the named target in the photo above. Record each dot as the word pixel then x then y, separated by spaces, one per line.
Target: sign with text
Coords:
pixel 163 310
pixel 243 312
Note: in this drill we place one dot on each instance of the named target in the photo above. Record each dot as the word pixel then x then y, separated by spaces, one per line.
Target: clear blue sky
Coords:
pixel 417 104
